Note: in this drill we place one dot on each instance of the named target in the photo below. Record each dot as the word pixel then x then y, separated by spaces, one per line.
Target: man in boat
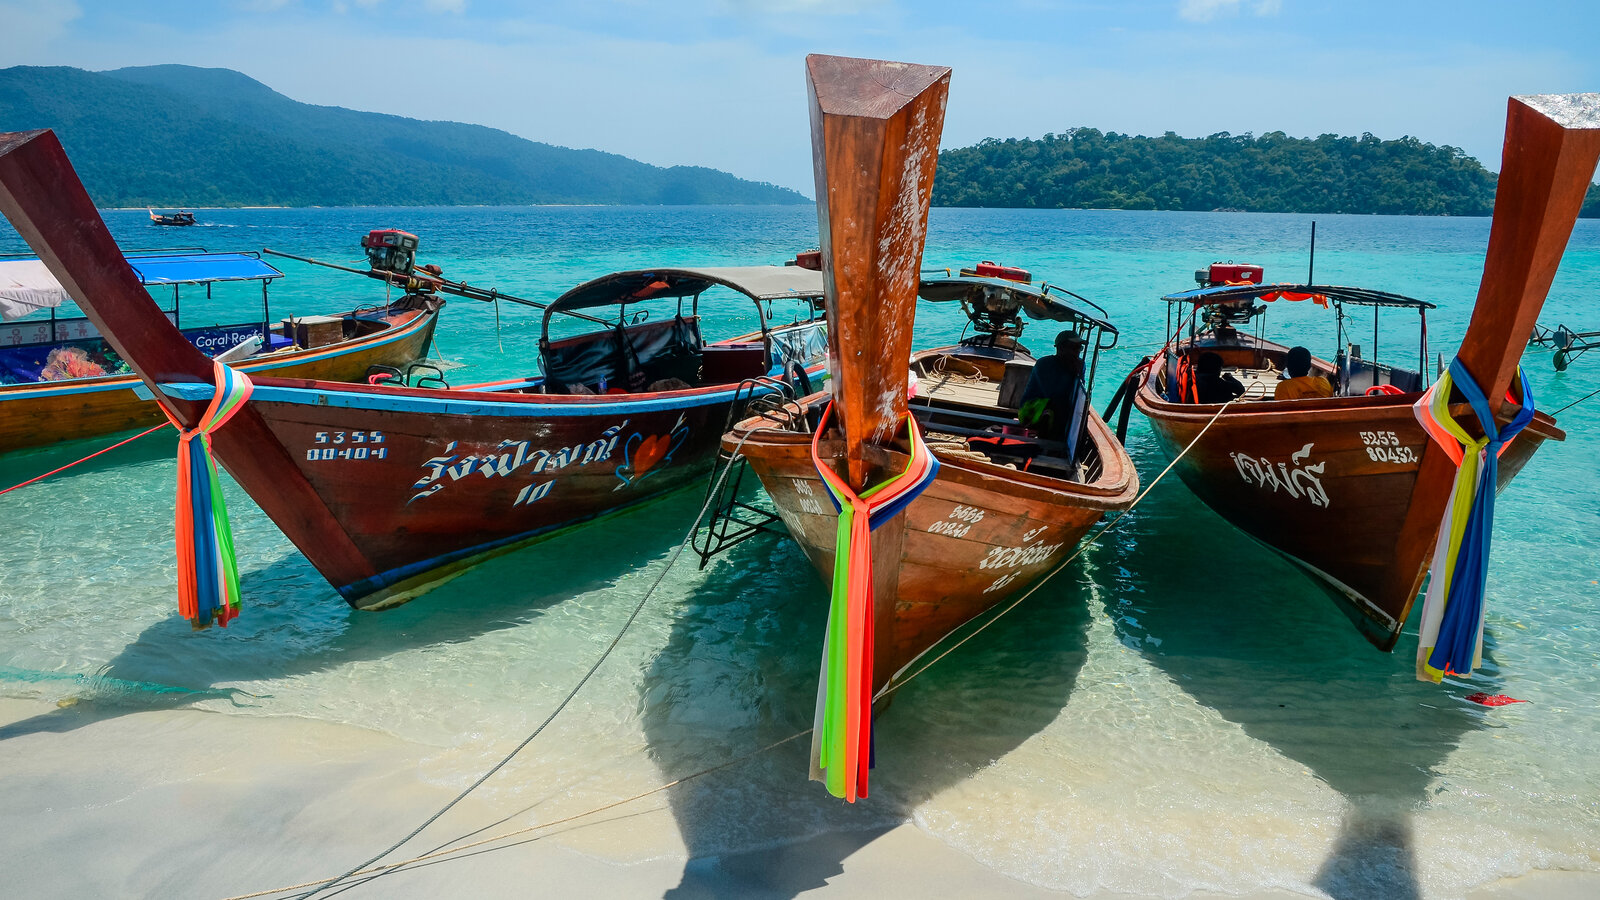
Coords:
pixel 1210 384
pixel 1051 395
pixel 1301 384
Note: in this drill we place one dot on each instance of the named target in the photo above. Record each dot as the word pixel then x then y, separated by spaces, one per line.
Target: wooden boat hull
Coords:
pixel 43 413
pixel 978 535
pixel 1326 483
pixel 415 485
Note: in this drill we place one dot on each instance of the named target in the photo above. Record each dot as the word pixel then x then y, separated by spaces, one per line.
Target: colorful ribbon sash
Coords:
pixel 208 574
pixel 841 742
pixel 1450 641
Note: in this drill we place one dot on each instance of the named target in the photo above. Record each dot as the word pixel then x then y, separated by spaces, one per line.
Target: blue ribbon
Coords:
pixel 1463 613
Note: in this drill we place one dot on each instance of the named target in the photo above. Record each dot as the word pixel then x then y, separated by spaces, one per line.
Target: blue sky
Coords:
pixel 720 82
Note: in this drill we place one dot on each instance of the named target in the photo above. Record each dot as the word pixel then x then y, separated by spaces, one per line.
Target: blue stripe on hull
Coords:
pixel 453 403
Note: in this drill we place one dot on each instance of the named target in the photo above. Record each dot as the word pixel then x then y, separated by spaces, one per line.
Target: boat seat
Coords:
pixel 940 413
pixel 732 363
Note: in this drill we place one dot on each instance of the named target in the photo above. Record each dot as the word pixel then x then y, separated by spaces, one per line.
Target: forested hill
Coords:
pixel 1085 168
pixel 183 136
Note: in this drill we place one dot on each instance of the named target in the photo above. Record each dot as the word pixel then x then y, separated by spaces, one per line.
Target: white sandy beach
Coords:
pixel 187 803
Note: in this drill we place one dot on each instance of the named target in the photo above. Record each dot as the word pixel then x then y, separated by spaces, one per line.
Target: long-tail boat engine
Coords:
pixel 1220 273
pixel 1229 314
pixel 391 250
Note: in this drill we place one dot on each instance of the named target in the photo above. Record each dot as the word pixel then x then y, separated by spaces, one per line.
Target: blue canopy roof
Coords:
pixel 200 268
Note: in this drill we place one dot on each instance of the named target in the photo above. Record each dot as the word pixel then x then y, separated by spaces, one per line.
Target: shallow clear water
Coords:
pixel 1179 710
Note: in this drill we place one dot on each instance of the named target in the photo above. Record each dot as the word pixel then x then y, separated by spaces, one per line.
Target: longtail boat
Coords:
pixel 180 218
pixel 61 380
pixel 1353 487
pixel 988 504
pixel 389 490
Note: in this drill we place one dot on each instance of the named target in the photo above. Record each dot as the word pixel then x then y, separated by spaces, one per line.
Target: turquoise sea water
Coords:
pixel 1179 710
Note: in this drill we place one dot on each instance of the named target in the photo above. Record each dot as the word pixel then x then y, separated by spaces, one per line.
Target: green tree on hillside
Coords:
pixel 1087 168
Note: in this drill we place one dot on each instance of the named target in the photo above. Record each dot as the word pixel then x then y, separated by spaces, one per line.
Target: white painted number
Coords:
pixel 808 498
pixel 967 514
pixel 959 522
pixel 1384 447
pixel 316 454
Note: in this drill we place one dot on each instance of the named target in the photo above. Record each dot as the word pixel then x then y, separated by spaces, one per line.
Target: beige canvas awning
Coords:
pixel 26 286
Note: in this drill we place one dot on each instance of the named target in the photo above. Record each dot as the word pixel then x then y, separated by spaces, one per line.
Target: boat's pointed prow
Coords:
pixel 875 129
pixel 48 205
pixel 1551 149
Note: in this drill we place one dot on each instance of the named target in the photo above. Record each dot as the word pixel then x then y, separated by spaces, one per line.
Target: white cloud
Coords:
pixel 262 6
pixel 30 29
pixel 814 7
pixel 1206 10
pixel 736 101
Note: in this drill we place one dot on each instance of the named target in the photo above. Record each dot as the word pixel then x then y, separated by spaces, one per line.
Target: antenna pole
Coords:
pixel 1312 265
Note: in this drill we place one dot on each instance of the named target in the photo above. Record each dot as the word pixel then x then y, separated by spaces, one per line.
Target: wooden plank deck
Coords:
pixel 972 393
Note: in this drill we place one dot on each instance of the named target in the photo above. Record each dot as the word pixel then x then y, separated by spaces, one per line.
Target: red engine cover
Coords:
pixel 390 237
pixel 1235 273
pixel 987 269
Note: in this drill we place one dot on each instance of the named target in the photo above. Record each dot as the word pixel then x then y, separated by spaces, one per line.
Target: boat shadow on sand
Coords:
pixel 1247 634
pixel 739 672
pixel 294 624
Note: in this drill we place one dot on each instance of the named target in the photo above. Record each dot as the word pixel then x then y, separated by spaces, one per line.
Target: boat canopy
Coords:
pixel 26 286
pixel 1319 294
pixel 1037 302
pixel 755 282
pixel 202 268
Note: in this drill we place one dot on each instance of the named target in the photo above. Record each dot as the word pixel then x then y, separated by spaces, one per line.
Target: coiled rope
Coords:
pixel 895 685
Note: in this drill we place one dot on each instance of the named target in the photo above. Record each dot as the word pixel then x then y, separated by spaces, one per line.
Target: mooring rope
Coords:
pixel 1552 415
pixel 638 607
pixel 86 458
pixel 1083 545
pixel 451 851
pixel 888 689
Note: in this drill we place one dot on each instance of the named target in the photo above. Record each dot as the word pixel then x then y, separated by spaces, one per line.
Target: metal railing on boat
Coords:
pixel 732 520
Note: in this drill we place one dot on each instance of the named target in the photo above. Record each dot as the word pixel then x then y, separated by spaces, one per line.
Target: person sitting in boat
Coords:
pixel 1051 394
pixel 1301 384
pixel 1211 385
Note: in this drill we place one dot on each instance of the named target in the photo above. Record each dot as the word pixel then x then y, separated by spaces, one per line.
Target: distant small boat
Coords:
pixel 61 380
pixel 181 217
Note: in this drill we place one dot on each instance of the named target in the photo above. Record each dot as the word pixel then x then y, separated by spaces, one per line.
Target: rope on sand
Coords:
pixel 375 871
pixel 325 884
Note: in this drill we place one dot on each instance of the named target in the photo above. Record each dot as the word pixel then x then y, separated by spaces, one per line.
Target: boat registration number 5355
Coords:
pixel 347 445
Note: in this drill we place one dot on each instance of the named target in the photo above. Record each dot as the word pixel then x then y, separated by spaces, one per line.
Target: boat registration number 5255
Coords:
pixel 1384 446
